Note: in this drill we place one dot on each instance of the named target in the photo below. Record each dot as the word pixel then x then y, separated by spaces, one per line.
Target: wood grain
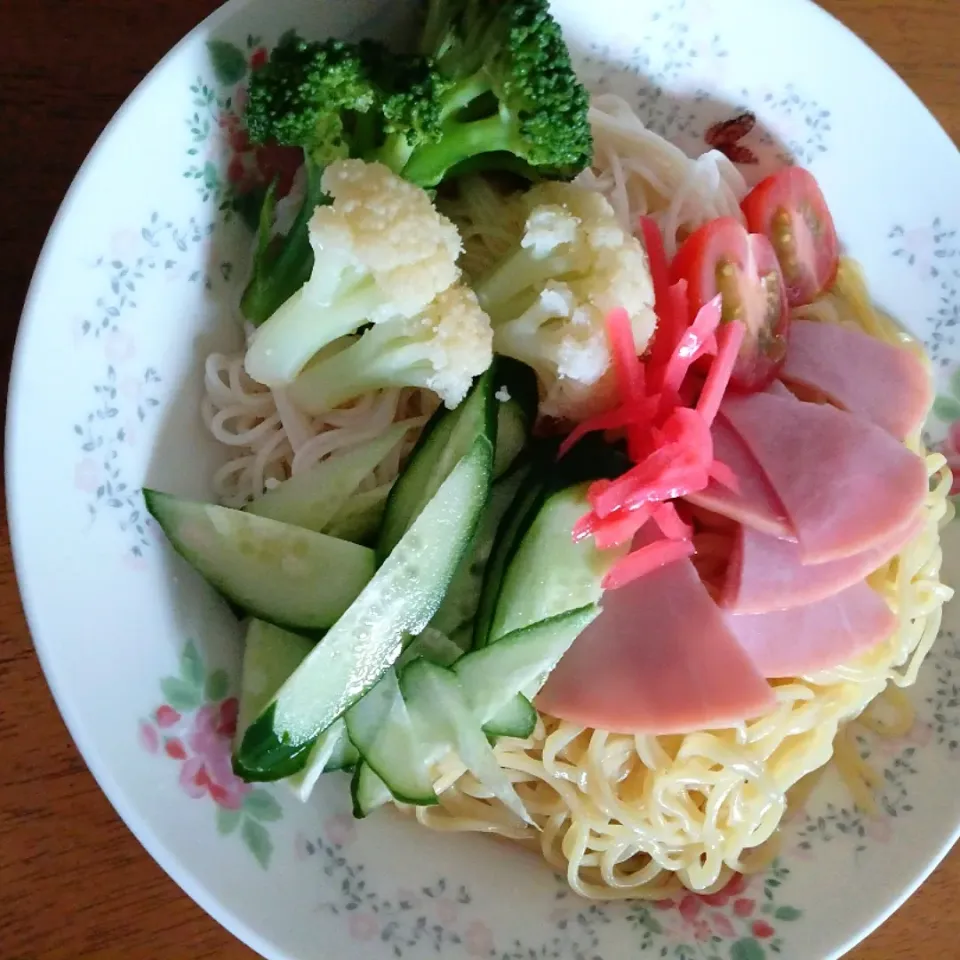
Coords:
pixel 75 884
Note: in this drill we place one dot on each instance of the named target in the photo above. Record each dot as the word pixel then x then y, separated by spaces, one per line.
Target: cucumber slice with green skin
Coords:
pixel 550 574
pixel 333 751
pixel 591 459
pixel 514 523
pixel 515 389
pixel 518 665
pixel 313 498
pixel 367 791
pixel 270 655
pixel 432 645
pixel 448 436
pixel 512 436
pixel 366 641
pixel 379 726
pixel 439 711
pixel 517 719
pixel 460 605
pixel 359 519
pixel 290 577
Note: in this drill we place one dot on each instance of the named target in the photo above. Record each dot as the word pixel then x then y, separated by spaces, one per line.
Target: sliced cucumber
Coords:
pixel 550 574
pixel 449 436
pixel 365 642
pixel 379 726
pixel 274 571
pixel 367 791
pixel 518 664
pixel 270 655
pixel 514 523
pixel 359 519
pixel 313 498
pixel 460 605
pixel 432 645
pixel 517 719
pixel 515 389
pixel 439 711
pixel 333 751
pixel 591 459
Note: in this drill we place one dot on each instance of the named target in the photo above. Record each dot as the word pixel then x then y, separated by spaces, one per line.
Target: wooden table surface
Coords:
pixel 74 883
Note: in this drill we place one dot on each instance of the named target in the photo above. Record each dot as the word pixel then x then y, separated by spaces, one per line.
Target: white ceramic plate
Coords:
pixel 137 282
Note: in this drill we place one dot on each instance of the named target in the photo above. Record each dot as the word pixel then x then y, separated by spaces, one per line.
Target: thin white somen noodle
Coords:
pixel 272 439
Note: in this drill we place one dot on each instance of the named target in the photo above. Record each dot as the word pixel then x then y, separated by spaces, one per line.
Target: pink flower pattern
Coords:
pixel 86 475
pixel 723 914
pixel 340 829
pixel 198 736
pixel 446 911
pixel 478 939
pixel 363 926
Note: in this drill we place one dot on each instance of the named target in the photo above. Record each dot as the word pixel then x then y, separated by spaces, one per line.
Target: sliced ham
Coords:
pixel 768 574
pixel 846 485
pixel 816 636
pixel 659 659
pixel 881 383
pixel 754 503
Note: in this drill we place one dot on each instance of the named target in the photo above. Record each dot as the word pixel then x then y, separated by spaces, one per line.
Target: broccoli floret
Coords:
pixel 315 96
pixel 441 349
pixel 509 97
pixel 322 98
pixel 381 252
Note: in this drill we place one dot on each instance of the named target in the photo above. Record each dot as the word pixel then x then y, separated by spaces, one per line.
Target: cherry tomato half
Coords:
pixel 790 210
pixel 721 257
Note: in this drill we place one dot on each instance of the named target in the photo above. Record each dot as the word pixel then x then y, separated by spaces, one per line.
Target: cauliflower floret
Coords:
pixel 566 346
pixel 381 252
pixel 549 298
pixel 441 349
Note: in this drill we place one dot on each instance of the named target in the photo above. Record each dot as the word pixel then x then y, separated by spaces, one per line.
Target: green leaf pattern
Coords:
pixel 217 685
pixel 747 949
pixel 946 407
pixel 227 821
pixel 179 694
pixel 258 841
pixel 229 62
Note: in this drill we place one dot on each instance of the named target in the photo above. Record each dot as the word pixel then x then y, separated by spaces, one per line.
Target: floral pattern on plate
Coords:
pixel 195 726
pixel 127 394
pixel 746 920
pixel 227 168
pixel 933 251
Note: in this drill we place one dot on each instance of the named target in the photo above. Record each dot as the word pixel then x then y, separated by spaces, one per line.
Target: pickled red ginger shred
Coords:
pixel 669 443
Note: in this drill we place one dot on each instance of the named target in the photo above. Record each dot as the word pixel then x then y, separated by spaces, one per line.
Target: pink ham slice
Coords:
pixel 768 574
pixel 876 381
pixel 817 636
pixel 845 484
pixel 755 504
pixel 659 659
